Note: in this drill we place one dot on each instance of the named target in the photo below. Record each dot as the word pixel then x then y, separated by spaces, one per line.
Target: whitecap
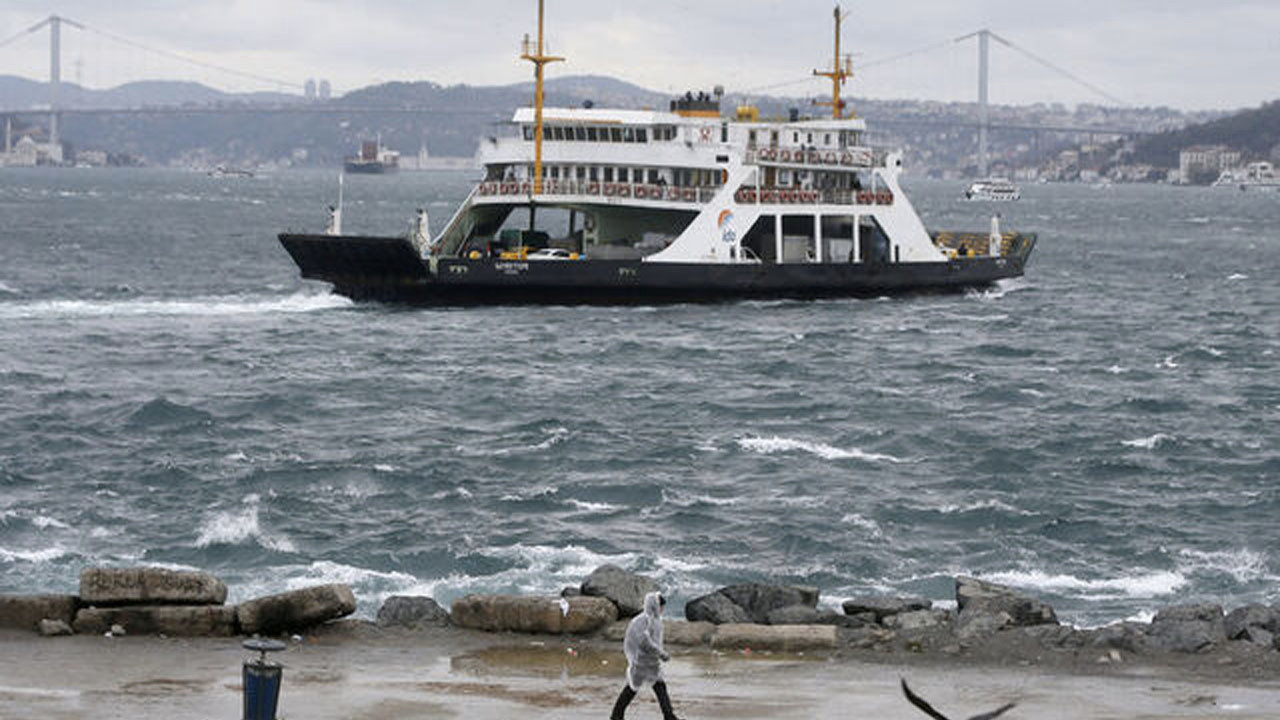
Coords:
pixel 555 437
pixel 385 468
pixel 594 507
pixel 1156 583
pixel 989 504
pixel 1117 370
pixel 1168 363
pixel 1237 276
pixel 530 494
pixel 772 445
pixel 301 302
pixel 235 527
pixel 1033 392
pixel 44 522
pixel 1149 443
pixel 8 289
pixel 680 498
pixel 32 556
pixel 1243 565
pixel 865 523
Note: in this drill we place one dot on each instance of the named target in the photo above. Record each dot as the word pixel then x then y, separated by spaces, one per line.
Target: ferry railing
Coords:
pixel 750 194
pixel 826 157
pixel 700 195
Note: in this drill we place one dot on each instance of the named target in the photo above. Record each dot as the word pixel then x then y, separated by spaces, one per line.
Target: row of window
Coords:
pixel 591 133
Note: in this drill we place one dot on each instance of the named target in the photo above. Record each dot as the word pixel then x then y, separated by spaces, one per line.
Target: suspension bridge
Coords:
pixel 289 94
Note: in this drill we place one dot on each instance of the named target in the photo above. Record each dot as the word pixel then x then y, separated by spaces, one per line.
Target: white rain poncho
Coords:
pixel 643 645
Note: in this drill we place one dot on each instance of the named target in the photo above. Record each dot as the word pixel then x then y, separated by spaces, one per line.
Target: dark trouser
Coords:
pixel 627 695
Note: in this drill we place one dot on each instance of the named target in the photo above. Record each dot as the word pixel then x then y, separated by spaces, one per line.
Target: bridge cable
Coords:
pixel 193 61
pixel 1061 71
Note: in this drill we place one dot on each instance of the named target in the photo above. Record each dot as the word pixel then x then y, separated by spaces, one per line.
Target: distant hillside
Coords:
pixel 20 93
pixel 1255 132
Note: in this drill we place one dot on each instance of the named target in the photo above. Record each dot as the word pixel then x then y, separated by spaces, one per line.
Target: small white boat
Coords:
pixel 993 189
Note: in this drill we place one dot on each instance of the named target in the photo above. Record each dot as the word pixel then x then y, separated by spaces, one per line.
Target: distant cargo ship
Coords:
pixel 374 159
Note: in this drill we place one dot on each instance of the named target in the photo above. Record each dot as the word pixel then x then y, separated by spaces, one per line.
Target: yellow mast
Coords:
pixel 838 73
pixel 538 60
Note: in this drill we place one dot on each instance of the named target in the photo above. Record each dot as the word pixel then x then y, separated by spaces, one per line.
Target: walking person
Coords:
pixel 645 655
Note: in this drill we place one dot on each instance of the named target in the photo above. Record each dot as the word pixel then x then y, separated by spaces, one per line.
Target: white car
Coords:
pixel 552 254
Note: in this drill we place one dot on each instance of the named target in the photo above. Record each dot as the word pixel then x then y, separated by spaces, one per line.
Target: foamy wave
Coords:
pixel 530 494
pixel 200 307
pixel 1139 585
pixel 1242 565
pixel 32 556
pixel 1237 276
pixel 555 437
pixel 235 527
pixel 1149 443
pixel 594 507
pixel 871 526
pixel 769 446
pixel 991 504
pixel 8 289
pixel 680 498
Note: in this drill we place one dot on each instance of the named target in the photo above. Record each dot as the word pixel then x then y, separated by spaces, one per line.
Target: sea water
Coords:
pixel 1103 433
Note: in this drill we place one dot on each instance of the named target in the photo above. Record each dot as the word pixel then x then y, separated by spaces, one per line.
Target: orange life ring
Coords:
pixel 593 188
pixel 751 196
pixel 624 190
pixel 526 188
pixel 740 196
pixel 864 197
pixel 609 189
pixel 786 156
pixel 886 198
pixel 688 194
pixel 640 192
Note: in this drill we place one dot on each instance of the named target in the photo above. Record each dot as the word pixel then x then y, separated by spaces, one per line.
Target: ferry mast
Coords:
pixel 539 59
pixel 838 73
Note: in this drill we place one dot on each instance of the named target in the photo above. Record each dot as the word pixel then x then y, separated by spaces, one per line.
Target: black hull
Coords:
pixel 390 270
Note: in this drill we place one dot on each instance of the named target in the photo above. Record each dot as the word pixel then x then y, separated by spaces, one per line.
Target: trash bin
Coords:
pixel 262 680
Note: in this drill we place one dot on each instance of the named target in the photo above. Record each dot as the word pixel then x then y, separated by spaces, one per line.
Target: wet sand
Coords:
pixel 367 674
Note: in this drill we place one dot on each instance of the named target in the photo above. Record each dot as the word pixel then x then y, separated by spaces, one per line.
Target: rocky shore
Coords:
pixel 150 642
pixel 989 623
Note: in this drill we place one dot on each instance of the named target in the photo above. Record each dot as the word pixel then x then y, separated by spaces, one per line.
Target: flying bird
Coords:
pixel 928 709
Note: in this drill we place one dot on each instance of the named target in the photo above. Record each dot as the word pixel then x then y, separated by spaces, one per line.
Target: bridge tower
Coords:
pixel 55 74
pixel 984 113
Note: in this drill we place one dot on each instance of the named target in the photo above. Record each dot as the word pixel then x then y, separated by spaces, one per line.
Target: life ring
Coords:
pixel 593 188
pixel 624 190
pixel 831 158
pixel 751 195
pixel 768 196
pixel 864 197
pixel 673 193
pixel 641 193
pixel 688 194
pixel 886 198
pixel 740 196
pixel 846 158
pixel 786 156
pixel 610 190
pixel 526 188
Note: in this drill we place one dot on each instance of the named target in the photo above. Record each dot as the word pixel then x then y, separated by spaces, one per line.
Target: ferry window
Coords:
pixel 555 172
pixel 594 175
pixel 615 134
pixel 622 175
pixel 528 132
pixel 795 138
pixel 581 173
pixel 809 139
pixel 773 138
pixel 580 133
pixel 628 135
pixel 591 134
pixel 724 132
pixel 784 178
pixel 546 133
pixel 751 137
pixel 653 176
pixel 641 134
pixel 826 139
pixel 608 174
pixel 557 133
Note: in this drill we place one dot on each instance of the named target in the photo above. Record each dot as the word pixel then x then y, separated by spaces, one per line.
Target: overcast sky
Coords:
pixel 1221 54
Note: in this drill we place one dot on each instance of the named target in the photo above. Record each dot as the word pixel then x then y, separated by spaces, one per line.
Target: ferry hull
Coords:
pixel 389 269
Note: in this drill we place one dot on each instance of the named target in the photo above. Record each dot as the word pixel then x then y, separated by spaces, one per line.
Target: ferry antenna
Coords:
pixel 539 59
pixel 841 69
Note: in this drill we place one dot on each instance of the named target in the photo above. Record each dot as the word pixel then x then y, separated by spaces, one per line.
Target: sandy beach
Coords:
pixel 358 672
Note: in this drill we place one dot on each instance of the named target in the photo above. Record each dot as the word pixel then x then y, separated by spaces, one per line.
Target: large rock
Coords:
pixel 781 638
pixel 715 608
pixel 624 589
pixel 1244 622
pixel 24 612
pixel 177 620
pixel 150 586
pixel 411 611
pixel 674 632
pixel 759 599
pixel 296 610
pixel 534 614
pixel 1188 628
pixel 882 606
pixel 977 596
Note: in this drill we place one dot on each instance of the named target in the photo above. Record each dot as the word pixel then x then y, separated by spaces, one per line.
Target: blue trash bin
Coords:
pixel 262 681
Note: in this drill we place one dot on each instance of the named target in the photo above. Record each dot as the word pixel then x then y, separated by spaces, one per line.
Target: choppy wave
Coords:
pixel 1143 584
pixel 772 445
pixel 1149 443
pixel 199 307
pixel 240 526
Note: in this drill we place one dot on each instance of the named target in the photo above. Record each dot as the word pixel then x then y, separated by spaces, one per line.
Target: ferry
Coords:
pixel 374 159
pixel 998 189
pixel 586 205
pixel 1260 175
